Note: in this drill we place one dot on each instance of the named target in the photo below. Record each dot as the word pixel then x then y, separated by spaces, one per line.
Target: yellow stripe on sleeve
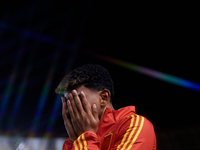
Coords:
pixel 79 143
pixel 127 132
pixel 75 146
pixel 132 132
pixel 137 134
pixel 84 142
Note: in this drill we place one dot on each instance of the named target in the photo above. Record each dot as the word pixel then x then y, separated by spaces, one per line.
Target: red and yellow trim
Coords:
pixel 80 143
pixel 132 133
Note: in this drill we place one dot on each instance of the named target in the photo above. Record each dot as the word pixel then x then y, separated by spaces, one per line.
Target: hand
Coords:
pixel 82 116
pixel 70 130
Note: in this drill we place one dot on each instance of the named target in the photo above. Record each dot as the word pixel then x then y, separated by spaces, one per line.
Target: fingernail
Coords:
pixel 70 95
pixel 94 106
pixel 68 102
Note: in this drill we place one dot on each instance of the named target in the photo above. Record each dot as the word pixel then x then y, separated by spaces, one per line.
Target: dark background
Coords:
pixel 41 41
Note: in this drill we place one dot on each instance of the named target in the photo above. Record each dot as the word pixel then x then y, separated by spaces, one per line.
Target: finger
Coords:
pixel 65 118
pixel 64 108
pixel 73 105
pixel 77 101
pixel 95 111
pixel 65 101
pixel 70 129
pixel 71 111
pixel 85 103
pixel 68 125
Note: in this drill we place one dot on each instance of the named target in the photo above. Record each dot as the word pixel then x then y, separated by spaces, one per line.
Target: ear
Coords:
pixel 104 97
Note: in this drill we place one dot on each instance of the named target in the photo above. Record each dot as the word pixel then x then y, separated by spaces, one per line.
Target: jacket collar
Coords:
pixel 111 117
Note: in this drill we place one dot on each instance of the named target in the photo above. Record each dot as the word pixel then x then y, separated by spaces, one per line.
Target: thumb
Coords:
pixel 95 111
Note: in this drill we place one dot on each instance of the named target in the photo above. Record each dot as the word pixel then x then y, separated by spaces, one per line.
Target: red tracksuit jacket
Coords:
pixel 119 129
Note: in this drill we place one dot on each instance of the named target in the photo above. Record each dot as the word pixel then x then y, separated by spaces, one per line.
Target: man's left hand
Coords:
pixel 82 116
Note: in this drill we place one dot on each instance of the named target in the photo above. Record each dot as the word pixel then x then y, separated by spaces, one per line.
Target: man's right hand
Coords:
pixel 70 130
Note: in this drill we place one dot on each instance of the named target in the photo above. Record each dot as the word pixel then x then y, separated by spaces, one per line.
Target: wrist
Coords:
pixel 70 140
pixel 89 132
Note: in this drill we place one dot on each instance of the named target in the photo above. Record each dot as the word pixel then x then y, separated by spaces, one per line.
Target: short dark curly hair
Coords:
pixel 92 76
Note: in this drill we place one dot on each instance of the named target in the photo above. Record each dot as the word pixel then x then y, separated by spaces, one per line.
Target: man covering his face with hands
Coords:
pixel 90 119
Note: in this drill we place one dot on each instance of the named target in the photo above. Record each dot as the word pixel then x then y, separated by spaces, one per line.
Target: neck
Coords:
pixel 108 106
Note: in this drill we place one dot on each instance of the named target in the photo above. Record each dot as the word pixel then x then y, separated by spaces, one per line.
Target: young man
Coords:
pixel 90 119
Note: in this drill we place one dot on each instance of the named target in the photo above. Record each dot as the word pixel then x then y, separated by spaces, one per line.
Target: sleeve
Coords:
pixel 136 133
pixel 68 145
pixel 87 141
